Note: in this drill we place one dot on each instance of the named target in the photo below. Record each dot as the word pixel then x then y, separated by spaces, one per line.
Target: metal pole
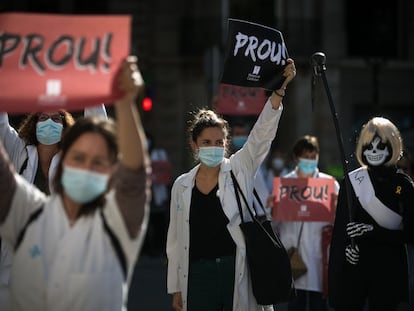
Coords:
pixel 318 61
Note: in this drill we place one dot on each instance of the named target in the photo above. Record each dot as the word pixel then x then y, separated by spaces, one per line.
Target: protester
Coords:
pixel 275 166
pixel 309 287
pixel 75 248
pixel 34 153
pixel 368 260
pixel 33 148
pixel 205 245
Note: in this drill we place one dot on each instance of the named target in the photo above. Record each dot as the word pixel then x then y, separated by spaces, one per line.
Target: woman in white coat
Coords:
pixel 75 249
pixel 207 268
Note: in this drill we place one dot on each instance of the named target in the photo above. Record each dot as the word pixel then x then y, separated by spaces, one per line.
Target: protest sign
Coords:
pixel 237 100
pixel 255 56
pixel 59 61
pixel 304 199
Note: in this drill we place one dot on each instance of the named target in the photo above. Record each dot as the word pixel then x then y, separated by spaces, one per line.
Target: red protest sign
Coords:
pixel 238 100
pixel 304 199
pixel 59 61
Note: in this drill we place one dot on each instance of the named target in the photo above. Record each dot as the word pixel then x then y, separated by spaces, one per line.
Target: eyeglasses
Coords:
pixel 55 117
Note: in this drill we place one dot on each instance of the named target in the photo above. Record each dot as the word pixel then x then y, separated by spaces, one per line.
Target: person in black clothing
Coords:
pixel 368 261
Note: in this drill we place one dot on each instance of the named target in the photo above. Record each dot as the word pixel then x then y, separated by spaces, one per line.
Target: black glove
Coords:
pixel 352 254
pixel 358 229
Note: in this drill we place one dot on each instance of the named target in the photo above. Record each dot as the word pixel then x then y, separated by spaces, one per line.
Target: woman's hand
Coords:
pixel 177 301
pixel 129 80
pixel 289 73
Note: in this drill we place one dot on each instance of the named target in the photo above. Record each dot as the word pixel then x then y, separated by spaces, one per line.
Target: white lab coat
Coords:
pixel 244 164
pixel 59 267
pixel 5 264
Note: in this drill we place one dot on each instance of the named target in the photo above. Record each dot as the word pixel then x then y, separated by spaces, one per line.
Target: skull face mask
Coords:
pixel 376 153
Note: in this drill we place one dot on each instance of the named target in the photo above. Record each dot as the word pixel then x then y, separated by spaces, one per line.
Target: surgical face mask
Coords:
pixel 307 166
pixel 278 163
pixel 83 186
pixel 211 156
pixel 49 132
pixel 238 141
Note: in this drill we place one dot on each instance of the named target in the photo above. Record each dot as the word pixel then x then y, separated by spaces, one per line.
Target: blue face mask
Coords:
pixel 211 156
pixel 307 166
pixel 48 132
pixel 238 141
pixel 83 186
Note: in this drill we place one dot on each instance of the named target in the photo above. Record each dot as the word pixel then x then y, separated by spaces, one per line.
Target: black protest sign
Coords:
pixel 255 56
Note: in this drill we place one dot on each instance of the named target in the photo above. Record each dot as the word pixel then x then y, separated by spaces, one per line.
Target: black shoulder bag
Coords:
pixel 267 258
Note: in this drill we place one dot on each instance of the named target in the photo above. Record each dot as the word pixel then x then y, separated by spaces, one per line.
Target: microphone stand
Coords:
pixel 318 61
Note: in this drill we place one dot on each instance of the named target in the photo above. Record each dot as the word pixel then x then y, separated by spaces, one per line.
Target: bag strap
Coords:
pixel 24 166
pixel 239 192
pixel 22 232
pixel 256 195
pixel 276 241
pixel 116 244
pixel 300 234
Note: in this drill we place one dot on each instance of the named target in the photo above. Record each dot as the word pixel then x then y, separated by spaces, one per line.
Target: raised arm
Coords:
pixel 132 184
pixel 131 136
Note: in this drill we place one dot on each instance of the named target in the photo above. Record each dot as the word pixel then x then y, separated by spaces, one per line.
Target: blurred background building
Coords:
pixel 180 44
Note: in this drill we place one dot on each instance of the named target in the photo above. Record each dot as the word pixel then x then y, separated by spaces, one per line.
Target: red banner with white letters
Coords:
pixel 60 61
pixel 304 199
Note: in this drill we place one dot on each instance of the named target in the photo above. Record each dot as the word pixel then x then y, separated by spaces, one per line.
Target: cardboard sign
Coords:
pixel 255 56
pixel 304 199
pixel 237 100
pixel 60 61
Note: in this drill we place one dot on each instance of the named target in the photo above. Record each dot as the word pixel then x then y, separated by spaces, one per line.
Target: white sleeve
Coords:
pixel 252 154
pixel 172 246
pixel 12 143
pixel 26 200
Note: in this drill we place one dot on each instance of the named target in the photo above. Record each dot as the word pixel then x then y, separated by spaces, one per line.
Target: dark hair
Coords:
pixel 206 118
pixel 27 129
pixel 107 129
pixel 305 143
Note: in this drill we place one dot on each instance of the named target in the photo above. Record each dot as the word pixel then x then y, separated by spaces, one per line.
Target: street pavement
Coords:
pixel 148 291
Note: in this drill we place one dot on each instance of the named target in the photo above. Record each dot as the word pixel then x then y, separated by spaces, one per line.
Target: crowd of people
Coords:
pixel 73 219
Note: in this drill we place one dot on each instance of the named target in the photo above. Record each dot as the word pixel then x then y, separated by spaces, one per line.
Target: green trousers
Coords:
pixel 211 284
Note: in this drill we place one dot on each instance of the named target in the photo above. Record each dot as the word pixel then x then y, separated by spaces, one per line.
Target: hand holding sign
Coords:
pixel 289 73
pixel 129 80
